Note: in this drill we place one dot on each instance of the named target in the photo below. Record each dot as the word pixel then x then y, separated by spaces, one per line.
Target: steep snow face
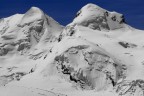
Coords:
pixel 23 32
pixel 32 15
pixel 8 32
pixel 25 35
pixel 9 24
pixel 98 18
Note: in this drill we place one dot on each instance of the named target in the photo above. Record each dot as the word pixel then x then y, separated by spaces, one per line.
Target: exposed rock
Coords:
pixel 89 70
pixel 127 45
pixel 8 78
pixel 130 88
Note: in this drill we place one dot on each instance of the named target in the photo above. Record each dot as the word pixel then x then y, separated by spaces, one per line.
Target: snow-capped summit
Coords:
pixel 25 31
pixel 98 18
pixel 31 15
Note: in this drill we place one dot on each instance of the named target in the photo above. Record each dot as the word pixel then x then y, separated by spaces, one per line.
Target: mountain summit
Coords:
pixel 32 14
pixel 98 18
pixel 97 54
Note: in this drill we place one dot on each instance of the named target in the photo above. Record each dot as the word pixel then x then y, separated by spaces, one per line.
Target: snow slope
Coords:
pixel 97 54
pixel 96 17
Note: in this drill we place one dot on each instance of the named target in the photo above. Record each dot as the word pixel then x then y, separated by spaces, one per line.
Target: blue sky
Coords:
pixel 64 11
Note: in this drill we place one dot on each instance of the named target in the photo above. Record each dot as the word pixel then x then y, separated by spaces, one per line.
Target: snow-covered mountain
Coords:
pixel 97 54
pixel 28 31
pixel 94 17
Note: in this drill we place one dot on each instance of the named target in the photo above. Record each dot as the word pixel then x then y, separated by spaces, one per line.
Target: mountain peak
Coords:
pixel 35 10
pixel 98 18
pixel 34 13
pixel 92 6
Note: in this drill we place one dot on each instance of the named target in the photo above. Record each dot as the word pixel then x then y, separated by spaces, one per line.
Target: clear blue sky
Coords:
pixel 64 10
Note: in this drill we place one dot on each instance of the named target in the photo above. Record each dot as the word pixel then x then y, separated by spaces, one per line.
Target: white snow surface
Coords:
pixel 31 15
pixel 96 17
pixel 95 55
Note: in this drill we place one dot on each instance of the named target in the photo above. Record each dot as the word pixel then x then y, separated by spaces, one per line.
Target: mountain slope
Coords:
pixel 30 29
pixel 23 39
